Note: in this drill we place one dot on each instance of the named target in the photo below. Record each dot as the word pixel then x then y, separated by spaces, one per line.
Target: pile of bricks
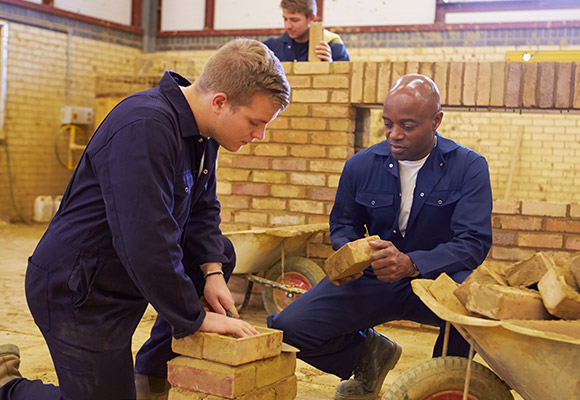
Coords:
pixel 214 367
pixel 538 288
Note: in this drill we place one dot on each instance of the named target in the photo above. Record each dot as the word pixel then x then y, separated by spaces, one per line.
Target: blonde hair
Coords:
pixel 306 7
pixel 243 68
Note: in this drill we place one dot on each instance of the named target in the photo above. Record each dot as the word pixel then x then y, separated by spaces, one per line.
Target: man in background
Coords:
pixel 293 45
pixel 139 224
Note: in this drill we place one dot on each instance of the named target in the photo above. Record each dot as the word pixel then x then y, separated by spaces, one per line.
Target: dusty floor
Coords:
pixel 16 325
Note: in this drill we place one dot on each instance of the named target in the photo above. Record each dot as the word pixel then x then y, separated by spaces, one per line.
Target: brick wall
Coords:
pixel 36 90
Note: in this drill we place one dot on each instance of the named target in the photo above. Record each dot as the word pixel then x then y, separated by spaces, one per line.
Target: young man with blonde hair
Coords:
pixel 293 44
pixel 139 224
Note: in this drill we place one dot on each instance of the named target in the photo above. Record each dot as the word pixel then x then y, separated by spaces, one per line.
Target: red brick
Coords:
pixel 514 85
pixel 517 222
pixel 292 164
pixel 530 84
pixel 504 238
pixel 572 242
pixel 252 162
pixel 564 85
pixel 211 377
pixel 253 189
pixel 546 85
pixel 322 194
pixel 576 102
pixel 559 225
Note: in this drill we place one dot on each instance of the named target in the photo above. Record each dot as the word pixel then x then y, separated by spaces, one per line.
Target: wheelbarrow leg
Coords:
pixel 246 296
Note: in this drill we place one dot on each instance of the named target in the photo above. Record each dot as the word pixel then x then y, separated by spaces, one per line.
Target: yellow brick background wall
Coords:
pixel 292 176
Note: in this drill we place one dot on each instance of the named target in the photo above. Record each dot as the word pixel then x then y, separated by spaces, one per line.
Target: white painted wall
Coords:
pixel 110 10
pixel 248 14
pixel 513 16
pixel 378 12
pixel 182 15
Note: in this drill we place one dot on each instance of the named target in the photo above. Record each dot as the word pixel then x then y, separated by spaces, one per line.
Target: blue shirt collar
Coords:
pixel 169 84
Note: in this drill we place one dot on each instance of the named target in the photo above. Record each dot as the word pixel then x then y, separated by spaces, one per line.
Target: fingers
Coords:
pixel 346 279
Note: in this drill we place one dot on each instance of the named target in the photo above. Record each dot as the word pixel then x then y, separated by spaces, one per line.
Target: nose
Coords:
pixel 259 133
pixel 287 25
pixel 395 133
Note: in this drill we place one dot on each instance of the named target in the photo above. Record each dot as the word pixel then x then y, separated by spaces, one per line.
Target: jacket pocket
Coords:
pixel 36 285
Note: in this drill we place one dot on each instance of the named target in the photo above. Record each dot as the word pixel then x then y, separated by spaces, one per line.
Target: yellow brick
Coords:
pixel 268 204
pixel 307 179
pixel 440 79
pixel 497 84
pixel 275 369
pixel 357 81
pixel 296 110
pixel 305 206
pixel 312 68
pixel 232 174
pixel 506 207
pixel 271 149
pixel 252 218
pixel 544 208
pixel 340 67
pixel 330 81
pixel 269 176
pixel 317 124
pixel 326 166
pixel 279 123
pixel 307 151
pixel 332 138
pixel 290 136
pixel 339 96
pixel 286 219
pixel 310 95
pixel 540 240
pixel 299 81
pixel 332 111
pixel 469 83
pixel 383 81
pixel 370 82
pixel 288 191
pixel 341 125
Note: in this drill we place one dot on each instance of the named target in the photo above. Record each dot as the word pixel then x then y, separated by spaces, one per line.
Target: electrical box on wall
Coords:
pixel 76 115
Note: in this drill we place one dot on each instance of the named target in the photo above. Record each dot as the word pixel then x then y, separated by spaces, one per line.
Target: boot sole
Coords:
pixel 372 396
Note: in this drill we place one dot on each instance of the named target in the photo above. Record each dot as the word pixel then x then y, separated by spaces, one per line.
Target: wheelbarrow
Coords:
pixel 540 360
pixel 279 253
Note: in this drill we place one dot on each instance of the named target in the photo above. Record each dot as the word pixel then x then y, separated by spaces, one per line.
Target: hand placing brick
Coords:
pixel 350 259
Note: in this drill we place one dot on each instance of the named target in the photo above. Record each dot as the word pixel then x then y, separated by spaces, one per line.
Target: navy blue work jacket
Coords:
pixel 286 49
pixel 449 228
pixel 137 202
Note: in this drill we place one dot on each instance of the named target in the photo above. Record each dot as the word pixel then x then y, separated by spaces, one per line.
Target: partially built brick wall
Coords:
pixel 291 177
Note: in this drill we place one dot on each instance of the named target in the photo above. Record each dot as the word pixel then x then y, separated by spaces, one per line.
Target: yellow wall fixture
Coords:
pixel 543 55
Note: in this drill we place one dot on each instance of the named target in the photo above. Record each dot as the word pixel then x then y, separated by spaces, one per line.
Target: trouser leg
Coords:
pixel 326 322
pixel 153 356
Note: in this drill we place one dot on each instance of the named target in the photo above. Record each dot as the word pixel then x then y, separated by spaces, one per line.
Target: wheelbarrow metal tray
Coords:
pixel 538 359
pixel 259 249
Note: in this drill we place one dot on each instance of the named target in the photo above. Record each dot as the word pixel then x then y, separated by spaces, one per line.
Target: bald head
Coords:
pixel 412 113
pixel 420 87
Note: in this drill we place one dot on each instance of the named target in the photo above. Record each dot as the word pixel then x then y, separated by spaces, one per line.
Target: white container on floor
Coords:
pixel 43 209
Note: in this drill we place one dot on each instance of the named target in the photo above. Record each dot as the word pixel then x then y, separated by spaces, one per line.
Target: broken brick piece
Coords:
pixel 483 275
pixel 442 289
pixel 350 259
pixel 529 271
pixel 504 302
pixel 559 297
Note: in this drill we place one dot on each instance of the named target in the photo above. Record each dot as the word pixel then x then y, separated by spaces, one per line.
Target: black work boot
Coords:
pixel 151 388
pixel 379 357
pixel 9 363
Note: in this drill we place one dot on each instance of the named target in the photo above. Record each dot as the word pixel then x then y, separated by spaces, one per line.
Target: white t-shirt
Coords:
pixel 408 171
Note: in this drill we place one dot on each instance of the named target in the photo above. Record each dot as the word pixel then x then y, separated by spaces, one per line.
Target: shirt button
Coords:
pixel 390 165
pixel 394 231
pixel 400 194
pixel 422 194
pixel 200 140
pixel 440 164
pixel 439 201
pixel 186 189
pixel 205 171
pixel 373 202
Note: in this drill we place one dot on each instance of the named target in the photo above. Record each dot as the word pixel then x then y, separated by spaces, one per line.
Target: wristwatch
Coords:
pixel 417 272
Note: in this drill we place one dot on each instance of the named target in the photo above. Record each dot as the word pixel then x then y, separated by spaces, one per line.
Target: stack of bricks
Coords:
pixel 216 367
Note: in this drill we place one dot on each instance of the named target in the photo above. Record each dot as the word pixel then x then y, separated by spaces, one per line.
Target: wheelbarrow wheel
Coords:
pixel 443 378
pixel 298 272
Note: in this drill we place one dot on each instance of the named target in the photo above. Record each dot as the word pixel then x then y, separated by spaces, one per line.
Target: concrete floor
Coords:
pixel 16 325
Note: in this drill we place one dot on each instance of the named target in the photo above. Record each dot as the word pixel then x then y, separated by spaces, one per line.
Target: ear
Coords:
pixel 219 102
pixel 312 18
pixel 437 120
